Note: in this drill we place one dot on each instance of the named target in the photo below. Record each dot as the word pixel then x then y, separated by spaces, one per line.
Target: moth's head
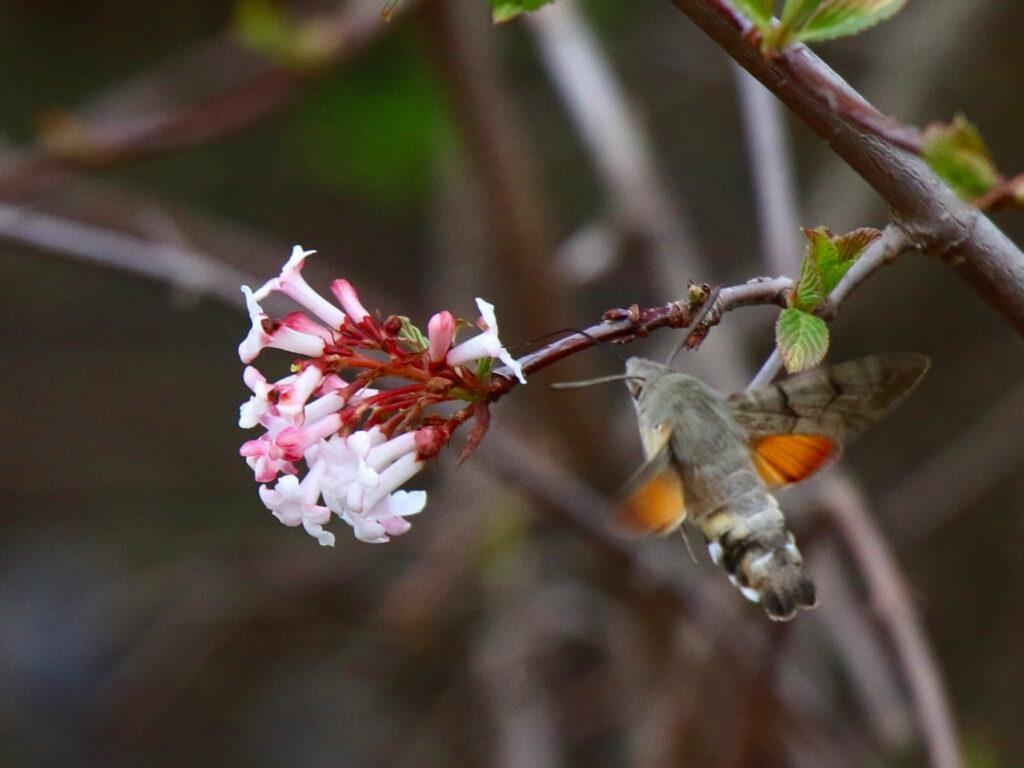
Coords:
pixel 640 372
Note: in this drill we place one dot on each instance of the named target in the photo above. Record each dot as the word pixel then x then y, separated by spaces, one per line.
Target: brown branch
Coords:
pixel 938 222
pixel 891 599
pixel 625 325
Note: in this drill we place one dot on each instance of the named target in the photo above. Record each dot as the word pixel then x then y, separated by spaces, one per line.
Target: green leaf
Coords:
pixel 376 129
pixel 840 18
pixel 957 153
pixel 412 336
pixel 759 12
pixel 835 254
pixel 850 246
pixel 796 12
pixel 802 339
pixel 483 368
pixel 809 291
pixel 506 10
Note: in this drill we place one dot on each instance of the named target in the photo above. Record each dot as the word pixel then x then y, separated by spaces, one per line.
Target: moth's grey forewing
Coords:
pixel 838 402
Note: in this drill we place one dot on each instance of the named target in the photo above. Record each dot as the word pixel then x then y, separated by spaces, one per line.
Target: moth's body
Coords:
pixel 720 451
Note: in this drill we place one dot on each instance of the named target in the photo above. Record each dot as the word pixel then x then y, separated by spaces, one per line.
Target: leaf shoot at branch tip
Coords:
pixel 814 20
pixel 959 156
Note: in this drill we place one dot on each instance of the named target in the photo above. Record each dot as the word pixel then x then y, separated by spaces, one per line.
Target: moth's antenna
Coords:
pixel 592 382
pixel 596 341
pixel 710 304
pixel 686 541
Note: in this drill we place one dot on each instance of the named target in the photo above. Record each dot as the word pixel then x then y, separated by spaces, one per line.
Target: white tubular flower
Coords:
pixel 253 409
pixel 344 461
pixel 295 503
pixel 291 283
pixel 282 337
pixel 292 397
pixel 487 344
pixel 360 480
pixel 387 517
pixel 323 406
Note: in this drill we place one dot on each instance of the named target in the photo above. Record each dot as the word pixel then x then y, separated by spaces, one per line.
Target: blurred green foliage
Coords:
pixel 377 128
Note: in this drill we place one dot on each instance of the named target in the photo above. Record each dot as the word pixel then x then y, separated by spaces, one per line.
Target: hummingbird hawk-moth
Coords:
pixel 714 458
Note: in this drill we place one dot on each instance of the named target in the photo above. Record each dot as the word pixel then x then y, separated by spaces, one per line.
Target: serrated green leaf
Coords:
pixel 506 10
pixel 809 292
pixel 841 18
pixel 412 336
pixel 848 248
pixel 851 245
pixel 802 339
pixel 795 13
pixel 758 11
pixel 957 153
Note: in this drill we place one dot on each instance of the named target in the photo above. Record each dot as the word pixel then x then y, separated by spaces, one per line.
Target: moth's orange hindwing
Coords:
pixel 653 503
pixel 785 459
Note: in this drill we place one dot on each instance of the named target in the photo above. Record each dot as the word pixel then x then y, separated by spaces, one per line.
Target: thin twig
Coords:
pixel 771 166
pixel 621 325
pixel 891 599
pixel 147 115
pixel 622 152
pixel 925 499
pixel 180 268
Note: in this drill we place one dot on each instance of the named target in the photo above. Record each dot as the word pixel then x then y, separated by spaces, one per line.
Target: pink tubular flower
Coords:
pixel 265 459
pixel 301 322
pixel 291 283
pixel 277 336
pixel 487 344
pixel 440 332
pixel 349 299
pixel 293 441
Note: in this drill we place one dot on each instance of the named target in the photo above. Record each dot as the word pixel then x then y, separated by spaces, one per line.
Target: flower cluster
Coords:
pixel 359 443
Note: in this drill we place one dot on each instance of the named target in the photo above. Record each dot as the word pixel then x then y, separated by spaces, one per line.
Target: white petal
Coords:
pixel 487 313
pixel 401 504
pixel 512 363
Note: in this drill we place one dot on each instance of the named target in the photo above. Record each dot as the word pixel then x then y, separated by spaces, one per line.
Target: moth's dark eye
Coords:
pixel 636 388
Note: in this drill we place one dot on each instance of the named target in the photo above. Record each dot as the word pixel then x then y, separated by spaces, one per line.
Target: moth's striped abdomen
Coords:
pixel 749 538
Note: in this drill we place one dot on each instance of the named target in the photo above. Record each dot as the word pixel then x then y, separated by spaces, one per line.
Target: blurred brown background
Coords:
pixel 152 613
